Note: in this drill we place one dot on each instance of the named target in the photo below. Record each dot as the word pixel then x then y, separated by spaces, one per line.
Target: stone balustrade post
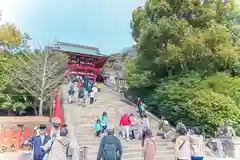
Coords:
pixel 231 146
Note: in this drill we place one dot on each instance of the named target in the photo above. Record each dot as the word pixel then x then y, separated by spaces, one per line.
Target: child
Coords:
pixel 92 94
pixel 98 128
pixel 99 87
pixel 103 120
pixel 81 97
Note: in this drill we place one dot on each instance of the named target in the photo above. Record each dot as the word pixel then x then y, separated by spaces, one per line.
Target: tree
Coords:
pixel 12 97
pixel 10 35
pixel 181 44
pixel 39 74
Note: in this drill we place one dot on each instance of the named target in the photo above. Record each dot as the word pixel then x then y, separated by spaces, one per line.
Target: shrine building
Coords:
pixel 83 60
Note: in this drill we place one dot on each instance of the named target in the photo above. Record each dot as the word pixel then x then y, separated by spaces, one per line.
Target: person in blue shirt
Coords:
pixel 71 94
pixel 38 141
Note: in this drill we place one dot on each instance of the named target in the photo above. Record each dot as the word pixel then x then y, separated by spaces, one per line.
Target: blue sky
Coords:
pixel 100 23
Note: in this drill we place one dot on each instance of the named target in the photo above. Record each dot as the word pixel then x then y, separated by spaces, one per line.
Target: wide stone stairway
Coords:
pixel 81 132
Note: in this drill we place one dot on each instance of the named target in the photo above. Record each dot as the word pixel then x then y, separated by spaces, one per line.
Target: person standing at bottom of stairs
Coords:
pixel 110 146
pixel 182 146
pixel 125 123
pixel 149 148
pixel 197 144
pixel 145 127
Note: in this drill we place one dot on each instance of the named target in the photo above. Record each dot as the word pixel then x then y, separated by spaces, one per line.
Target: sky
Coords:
pixel 99 23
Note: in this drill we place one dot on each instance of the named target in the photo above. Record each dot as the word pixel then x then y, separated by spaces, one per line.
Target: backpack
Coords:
pixel 110 152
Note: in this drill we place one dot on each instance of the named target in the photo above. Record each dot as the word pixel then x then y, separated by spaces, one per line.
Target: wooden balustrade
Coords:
pixel 12 139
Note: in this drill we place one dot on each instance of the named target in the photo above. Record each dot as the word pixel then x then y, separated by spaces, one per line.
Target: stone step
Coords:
pixel 92 137
pixel 136 157
pixel 135 150
pixel 96 143
pixel 138 153
pixel 84 119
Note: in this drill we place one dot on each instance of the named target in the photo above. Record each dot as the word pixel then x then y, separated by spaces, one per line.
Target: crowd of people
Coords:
pixel 187 147
pixel 86 90
pixel 53 144
pixel 50 143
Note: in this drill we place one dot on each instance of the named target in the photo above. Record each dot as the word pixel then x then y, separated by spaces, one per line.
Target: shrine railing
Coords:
pixel 12 139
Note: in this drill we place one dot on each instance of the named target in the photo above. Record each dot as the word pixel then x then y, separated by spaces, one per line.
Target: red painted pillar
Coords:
pixel 94 78
pixel 58 110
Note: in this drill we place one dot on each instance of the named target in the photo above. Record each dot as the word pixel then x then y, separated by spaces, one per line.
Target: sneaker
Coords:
pixel 133 140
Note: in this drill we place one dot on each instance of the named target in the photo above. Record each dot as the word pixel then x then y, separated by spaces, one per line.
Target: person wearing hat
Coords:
pixel 37 141
pixel 110 146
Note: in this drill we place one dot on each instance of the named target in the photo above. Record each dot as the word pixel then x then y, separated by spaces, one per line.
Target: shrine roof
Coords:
pixel 76 49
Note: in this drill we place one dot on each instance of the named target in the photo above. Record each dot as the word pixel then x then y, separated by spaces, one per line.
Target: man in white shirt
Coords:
pixel 95 90
pixel 92 95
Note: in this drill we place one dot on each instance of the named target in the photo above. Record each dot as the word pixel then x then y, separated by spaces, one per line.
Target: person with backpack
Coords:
pixel 149 148
pixel 110 147
pixel 104 121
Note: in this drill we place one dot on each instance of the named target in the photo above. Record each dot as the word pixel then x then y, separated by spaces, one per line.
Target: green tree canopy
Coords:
pixel 183 45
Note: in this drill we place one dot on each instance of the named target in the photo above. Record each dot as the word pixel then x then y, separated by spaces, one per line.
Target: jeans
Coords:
pixel 98 133
pixel 104 127
pixel 133 133
pixel 197 158
pixel 125 131
pixel 70 98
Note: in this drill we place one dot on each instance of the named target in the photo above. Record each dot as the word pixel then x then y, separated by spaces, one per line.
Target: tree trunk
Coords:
pixel 35 108
pixel 40 110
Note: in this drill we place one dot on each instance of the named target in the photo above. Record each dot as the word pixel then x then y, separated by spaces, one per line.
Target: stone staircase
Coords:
pixel 81 120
